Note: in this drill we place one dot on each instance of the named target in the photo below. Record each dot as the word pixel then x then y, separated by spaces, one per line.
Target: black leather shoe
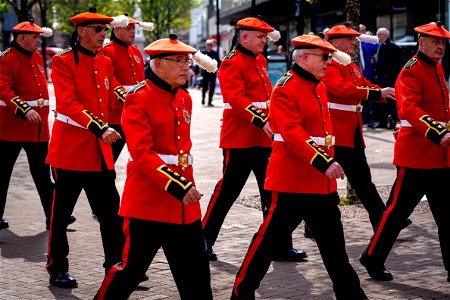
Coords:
pixel 251 296
pixel 308 233
pixel 47 222
pixel 211 255
pixel 376 271
pixel 290 254
pixel 63 280
pixel 3 224
pixel 406 223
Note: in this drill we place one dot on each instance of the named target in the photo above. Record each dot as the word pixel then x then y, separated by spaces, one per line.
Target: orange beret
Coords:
pixel 27 27
pixel 166 47
pixel 91 17
pixel 254 24
pixel 433 29
pixel 131 20
pixel 342 31
pixel 311 41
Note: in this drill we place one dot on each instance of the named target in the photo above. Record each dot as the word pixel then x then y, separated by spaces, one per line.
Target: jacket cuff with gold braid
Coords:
pixel 95 125
pixel 321 160
pixel 259 118
pixel 121 93
pixel 435 131
pixel 177 185
pixel 374 94
pixel 21 107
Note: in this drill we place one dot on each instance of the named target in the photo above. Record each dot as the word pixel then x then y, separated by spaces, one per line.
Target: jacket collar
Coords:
pixel 245 51
pixel 119 42
pixel 161 83
pixel 85 51
pixel 426 59
pixel 304 74
pixel 20 49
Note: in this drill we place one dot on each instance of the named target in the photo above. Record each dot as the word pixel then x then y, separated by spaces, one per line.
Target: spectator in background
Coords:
pixel 209 79
pixel 367 53
pixel 387 67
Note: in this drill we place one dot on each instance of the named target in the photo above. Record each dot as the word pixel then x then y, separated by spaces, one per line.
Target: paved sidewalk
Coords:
pixel 415 260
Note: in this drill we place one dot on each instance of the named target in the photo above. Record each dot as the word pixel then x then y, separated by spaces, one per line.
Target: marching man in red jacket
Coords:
pixel 347 88
pixel 302 174
pixel 80 148
pixel 128 65
pixel 245 136
pixel 160 203
pixel 421 152
pixel 24 109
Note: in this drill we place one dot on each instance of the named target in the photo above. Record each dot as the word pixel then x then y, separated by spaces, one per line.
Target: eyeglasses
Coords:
pixel 99 28
pixel 325 57
pixel 180 61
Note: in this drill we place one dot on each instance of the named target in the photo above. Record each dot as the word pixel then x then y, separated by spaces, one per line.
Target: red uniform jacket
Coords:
pixel 299 111
pixel 422 100
pixel 347 85
pixel 243 79
pixel 82 93
pixel 22 78
pixel 128 65
pixel 157 120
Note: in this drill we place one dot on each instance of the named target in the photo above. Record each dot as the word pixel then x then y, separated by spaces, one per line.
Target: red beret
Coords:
pixel 311 41
pixel 91 17
pixel 166 47
pixel 342 31
pixel 254 24
pixel 27 27
pixel 433 29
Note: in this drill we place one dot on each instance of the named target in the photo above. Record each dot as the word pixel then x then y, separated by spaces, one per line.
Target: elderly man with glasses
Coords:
pixel 160 203
pixel 80 147
pixel 302 174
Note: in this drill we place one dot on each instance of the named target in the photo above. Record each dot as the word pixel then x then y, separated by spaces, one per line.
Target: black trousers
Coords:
pixel 357 170
pixel 184 248
pixel 237 165
pixel 103 198
pixel 40 171
pixel 409 188
pixel 323 216
pixel 118 145
pixel 209 80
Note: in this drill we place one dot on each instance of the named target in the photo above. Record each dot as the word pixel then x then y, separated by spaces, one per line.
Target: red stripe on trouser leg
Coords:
pixel 50 260
pixel 255 244
pixel 217 190
pixel 112 271
pixel 398 184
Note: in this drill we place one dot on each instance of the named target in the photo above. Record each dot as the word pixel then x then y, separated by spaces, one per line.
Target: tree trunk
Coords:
pixel 353 8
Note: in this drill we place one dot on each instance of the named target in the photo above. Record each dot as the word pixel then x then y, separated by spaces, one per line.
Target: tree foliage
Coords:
pixel 22 8
pixel 63 10
pixel 167 15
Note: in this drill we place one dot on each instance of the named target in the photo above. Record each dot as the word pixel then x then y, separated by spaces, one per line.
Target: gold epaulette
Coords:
pixel 410 63
pixel 2 54
pixel 230 54
pixel 259 118
pixel 286 76
pixel 138 86
pixel 177 185
pixel 95 125
pixel 67 50
pixel 321 160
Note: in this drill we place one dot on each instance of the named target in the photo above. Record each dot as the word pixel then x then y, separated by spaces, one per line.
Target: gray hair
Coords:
pixel 297 53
